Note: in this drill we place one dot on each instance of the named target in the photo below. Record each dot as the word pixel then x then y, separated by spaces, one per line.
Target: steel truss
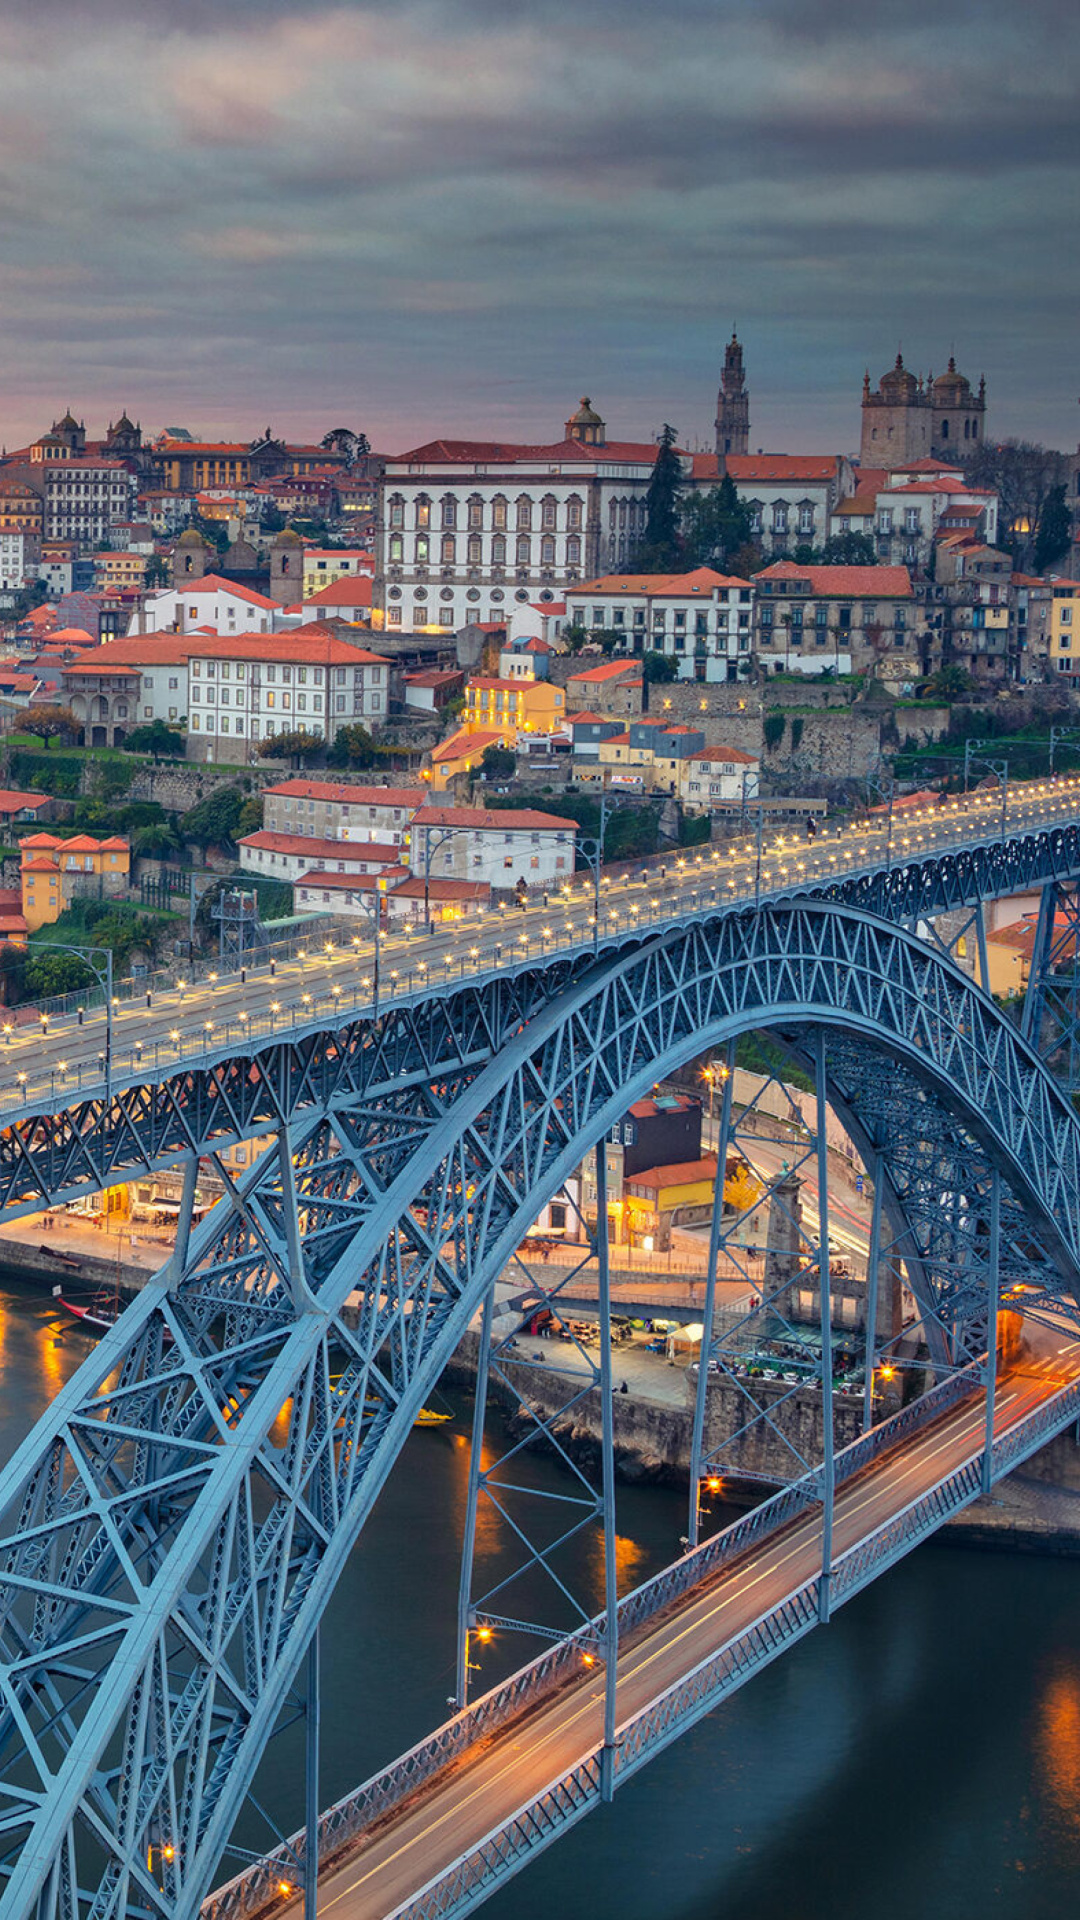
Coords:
pixel 172 1529
pixel 159 1117
pixel 1051 1016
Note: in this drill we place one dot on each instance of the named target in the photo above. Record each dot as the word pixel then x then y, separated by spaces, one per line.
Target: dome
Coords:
pixel 951 387
pixel 898 383
pixel 191 537
pixel 585 415
pixel 67 424
pixel 124 425
pixel 288 537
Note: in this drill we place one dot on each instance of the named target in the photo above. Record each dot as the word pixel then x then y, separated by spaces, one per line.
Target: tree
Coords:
pixel 157 738
pixel 1022 474
pixel 1054 534
pixel 948 683
pixel 290 746
pixel 353 746
pixel 715 525
pixel 157 841
pixel 660 668
pixel 355 446
pixel 48 974
pixel 51 723
pixel 157 572
pixel 214 821
pixel 660 547
pixel 849 550
pixel 214 533
pixel 498 763
pixel 251 814
pixel 575 636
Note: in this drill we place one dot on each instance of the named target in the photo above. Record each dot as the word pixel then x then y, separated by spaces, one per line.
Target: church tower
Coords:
pixel 732 404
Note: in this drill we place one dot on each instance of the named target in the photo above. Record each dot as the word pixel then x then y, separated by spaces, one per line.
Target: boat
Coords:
pixel 427 1417
pixel 101 1312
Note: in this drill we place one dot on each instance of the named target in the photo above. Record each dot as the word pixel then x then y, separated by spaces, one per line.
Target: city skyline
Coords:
pixel 460 219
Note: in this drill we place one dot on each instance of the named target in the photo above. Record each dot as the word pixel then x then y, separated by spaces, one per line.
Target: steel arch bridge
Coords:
pixel 169 1537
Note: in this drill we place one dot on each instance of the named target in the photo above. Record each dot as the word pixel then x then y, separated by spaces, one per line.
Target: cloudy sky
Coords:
pixel 424 216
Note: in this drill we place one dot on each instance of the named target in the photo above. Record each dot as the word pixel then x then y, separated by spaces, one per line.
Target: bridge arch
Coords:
pixel 196 1601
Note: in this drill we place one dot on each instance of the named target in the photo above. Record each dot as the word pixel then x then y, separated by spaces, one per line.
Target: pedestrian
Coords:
pixel 624 1388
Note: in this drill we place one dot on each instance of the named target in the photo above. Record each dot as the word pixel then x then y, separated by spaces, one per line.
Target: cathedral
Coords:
pixel 909 418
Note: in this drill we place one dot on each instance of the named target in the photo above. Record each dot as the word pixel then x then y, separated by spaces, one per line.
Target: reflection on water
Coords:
pixel 921 1755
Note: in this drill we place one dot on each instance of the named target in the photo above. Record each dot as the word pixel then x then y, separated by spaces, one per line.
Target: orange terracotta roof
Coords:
pixel 513 819
pixel 12 801
pixel 874 583
pixel 461 743
pixel 352 590
pixel 40 864
pixel 216 583
pixel 701 580
pixel 725 756
pixel 611 670
pixel 136 651
pixel 744 467
pixel 309 645
pixel 683 1173
pixel 355 850
pixel 344 792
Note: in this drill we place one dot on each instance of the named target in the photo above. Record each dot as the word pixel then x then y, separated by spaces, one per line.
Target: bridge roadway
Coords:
pixel 43 1069
pixel 479 1793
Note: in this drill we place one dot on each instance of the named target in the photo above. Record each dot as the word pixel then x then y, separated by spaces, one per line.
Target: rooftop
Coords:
pixel 343 792
pixel 511 819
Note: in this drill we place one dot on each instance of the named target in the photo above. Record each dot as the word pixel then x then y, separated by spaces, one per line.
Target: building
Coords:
pixel 346 599
pixel 527 658
pixel 115 569
pixel 971 608
pixel 247 688
pixel 847 619
pixel 908 418
pixel 718 777
pixel 325 565
pixel 14 561
pixel 791 496
pixel 614 688
pixel 125 684
pixel 402 902
pixel 701 619
pixel 84 496
pixel 588 730
pixel 648 757
pixel 55 872
pixel 732 404
pixel 431 689
pixel 469 528
pixel 1032 602
pixel 502 848
pixel 659 1198
pixel 338 810
pixel 287 856
pixel 904 517
pixel 1065 630
pixel 460 753
pixel 210 601
pixel 21 508
pixel 511 708
pixel 187 466
pixel 15 805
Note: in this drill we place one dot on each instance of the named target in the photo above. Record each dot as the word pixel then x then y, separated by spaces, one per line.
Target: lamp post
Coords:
pixel 431 846
pixel 1000 769
pixel 592 852
pixel 376 914
pixel 104 977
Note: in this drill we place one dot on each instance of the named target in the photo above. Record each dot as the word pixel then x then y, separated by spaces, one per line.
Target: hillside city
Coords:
pixel 327 680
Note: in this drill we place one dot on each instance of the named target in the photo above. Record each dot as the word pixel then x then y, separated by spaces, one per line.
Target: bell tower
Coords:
pixel 732 404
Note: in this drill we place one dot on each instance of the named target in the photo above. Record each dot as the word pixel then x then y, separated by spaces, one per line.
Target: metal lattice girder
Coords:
pixel 1051 1018
pixel 171 1531
pixel 166 1115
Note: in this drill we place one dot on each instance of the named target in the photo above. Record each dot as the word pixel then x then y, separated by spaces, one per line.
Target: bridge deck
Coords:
pixel 482 1791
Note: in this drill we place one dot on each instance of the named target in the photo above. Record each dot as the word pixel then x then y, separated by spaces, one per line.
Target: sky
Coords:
pixel 422 217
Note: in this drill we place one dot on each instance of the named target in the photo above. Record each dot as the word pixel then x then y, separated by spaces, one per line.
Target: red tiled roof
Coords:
pixel 498 453
pixel 781 466
pixel 587 718
pixel 610 670
pixel 40 864
pixel 309 645
pixel 134 652
pixel 461 742
pixel 700 580
pixel 726 755
pixel 365 850
pixel 513 819
pixel 12 800
pixel 345 793
pixel 683 1173
pixel 875 583
pixel 352 590
pixel 216 583
pixel 351 882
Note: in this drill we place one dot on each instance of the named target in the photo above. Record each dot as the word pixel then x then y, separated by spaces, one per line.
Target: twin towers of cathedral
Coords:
pixel 905 419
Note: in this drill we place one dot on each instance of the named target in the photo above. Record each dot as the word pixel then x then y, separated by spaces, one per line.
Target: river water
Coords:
pixel 919 1759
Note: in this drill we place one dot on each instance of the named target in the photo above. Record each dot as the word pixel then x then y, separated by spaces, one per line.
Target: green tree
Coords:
pixel 215 820
pixel 291 746
pixel 157 738
pixel 948 683
pixel 157 573
pixel 251 815
pixel 773 730
pixel 660 668
pixel 156 841
pixel 714 525
pixel 48 974
pixel 1054 534
pixel 498 763
pixel 575 636
pixel 849 550
pixel 353 746
pixel 660 548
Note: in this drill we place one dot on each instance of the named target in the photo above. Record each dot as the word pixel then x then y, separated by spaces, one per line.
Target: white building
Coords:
pixel 13 560
pixel 486 844
pixel 325 565
pixel 209 602
pixel 469 529
pixel 702 619
pixel 126 684
pixel 338 810
pixel 718 777
pixel 401 900
pixel 83 498
pixel 247 689
pixel 791 496
pixel 903 516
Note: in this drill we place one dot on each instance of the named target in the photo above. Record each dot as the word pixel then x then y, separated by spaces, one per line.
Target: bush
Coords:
pixel 694 829
pixel 797 726
pixel 773 729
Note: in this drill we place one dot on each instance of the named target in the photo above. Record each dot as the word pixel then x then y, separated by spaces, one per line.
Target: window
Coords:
pixel 523 552
pixel 475 511
pixel 780 517
pixel 524 514
pixel 547 550
pixel 806 519
pixel 423 510
pixel 498 512
pixel 396 546
pixel 448 550
pixel 547 511
pixel 449 510
pixel 498 550
pixel 573 514
pixel 422 549
pixel 474 551
pixel 573 551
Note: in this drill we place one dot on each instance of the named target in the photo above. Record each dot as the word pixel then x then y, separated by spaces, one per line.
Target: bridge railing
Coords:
pixel 257 1886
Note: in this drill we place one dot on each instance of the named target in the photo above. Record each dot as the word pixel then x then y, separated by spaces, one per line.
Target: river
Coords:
pixel 918 1759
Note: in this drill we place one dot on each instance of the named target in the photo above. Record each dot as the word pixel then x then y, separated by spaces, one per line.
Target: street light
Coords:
pixel 104 977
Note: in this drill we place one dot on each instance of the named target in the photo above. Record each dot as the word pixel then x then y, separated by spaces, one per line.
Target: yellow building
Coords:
pixel 510 707
pixel 1065 627
pixel 654 1197
pixel 54 871
pixel 114 570
pixel 461 753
